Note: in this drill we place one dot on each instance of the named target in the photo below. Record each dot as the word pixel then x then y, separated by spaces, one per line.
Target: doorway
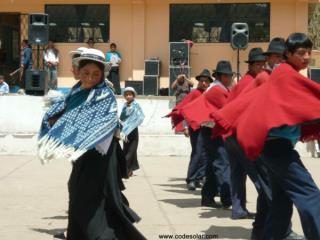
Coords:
pixel 9 45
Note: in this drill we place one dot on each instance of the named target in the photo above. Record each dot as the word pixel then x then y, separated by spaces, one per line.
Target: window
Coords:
pixel 209 23
pixel 314 24
pixel 78 23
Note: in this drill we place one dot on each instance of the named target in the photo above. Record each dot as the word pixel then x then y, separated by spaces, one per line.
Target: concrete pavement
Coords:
pixel 33 200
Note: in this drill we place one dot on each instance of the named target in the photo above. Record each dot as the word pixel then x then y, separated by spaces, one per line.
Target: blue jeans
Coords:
pixel 52 77
pixel 291 183
pixel 218 168
pixel 240 168
pixel 198 158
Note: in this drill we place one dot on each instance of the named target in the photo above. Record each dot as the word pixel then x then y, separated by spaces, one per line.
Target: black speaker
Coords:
pixel 174 72
pixel 38 28
pixel 152 67
pixel 137 85
pixel 36 82
pixel 314 74
pixel 179 53
pixel 239 35
pixel 150 85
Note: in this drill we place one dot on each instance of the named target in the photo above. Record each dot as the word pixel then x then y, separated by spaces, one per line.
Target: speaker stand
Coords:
pixel 238 64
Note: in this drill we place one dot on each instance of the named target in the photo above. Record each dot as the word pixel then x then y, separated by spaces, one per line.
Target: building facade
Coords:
pixel 142 29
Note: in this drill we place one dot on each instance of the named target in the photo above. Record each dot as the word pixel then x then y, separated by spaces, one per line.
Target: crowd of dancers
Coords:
pixel 250 129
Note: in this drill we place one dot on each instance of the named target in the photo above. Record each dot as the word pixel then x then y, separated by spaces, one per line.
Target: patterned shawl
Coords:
pixel 131 117
pixel 80 129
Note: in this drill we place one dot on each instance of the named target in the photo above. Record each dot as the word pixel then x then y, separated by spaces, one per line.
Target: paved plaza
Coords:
pixel 33 200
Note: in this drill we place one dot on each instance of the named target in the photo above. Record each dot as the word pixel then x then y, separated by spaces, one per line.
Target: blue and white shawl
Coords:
pixel 131 117
pixel 83 128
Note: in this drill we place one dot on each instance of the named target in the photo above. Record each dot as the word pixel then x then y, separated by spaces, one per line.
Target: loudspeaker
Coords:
pixel 239 35
pixel 152 67
pixel 314 74
pixel 150 85
pixel 179 53
pixel 137 85
pixel 174 72
pixel 36 82
pixel 38 28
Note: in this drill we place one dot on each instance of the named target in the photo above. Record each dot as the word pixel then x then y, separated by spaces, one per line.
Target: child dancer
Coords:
pixel 131 117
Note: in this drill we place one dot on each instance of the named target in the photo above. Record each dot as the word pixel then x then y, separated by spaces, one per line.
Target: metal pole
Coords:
pixel 238 64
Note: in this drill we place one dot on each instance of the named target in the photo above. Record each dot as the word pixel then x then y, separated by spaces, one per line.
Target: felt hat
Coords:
pixel 256 55
pixel 223 67
pixel 277 46
pixel 205 73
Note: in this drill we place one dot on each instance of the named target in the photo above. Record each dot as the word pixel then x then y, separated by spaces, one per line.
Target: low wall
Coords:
pixel 21 116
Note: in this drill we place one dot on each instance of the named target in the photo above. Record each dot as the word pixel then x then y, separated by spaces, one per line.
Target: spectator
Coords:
pixel 4 87
pixel 113 57
pixel 91 43
pixel 26 61
pixel 51 61
pixel 182 86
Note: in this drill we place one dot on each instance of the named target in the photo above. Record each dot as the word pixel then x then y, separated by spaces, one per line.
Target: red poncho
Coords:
pixel 287 98
pixel 175 114
pixel 198 111
pixel 246 80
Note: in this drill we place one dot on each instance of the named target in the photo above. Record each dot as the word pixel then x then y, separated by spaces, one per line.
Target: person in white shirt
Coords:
pixel 4 87
pixel 51 61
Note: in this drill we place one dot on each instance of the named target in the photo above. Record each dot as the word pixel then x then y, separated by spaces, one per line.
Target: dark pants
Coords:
pixel 198 158
pixel 218 168
pixel 115 79
pixel 240 168
pixel 22 83
pixel 130 150
pixel 291 183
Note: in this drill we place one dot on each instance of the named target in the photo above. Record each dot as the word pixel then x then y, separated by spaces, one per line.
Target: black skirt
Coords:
pixel 97 208
pixel 130 150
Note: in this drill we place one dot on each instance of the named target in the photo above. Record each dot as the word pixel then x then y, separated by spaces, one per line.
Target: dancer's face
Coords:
pixel 256 67
pixel 300 59
pixel 129 96
pixel 274 59
pixel 203 83
pixel 90 75
pixel 226 80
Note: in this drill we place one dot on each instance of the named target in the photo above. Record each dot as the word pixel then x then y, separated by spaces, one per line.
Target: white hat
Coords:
pixel 130 89
pixel 93 55
pixel 78 51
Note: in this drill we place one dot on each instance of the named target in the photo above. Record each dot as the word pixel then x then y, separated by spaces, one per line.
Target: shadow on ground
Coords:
pixel 229 232
pixel 57 217
pixel 50 231
pixel 218 213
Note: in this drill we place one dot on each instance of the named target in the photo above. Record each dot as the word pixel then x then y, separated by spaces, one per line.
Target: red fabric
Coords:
pixel 287 98
pixel 243 83
pixel 262 78
pixel 175 114
pixel 198 111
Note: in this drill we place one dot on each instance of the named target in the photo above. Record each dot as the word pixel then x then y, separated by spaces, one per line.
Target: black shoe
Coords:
pixel 191 186
pixel 226 205
pixel 256 234
pixel 59 236
pixel 246 215
pixel 294 236
pixel 199 184
pixel 209 202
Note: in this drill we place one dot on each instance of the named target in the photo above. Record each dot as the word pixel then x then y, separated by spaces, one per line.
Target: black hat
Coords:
pixel 277 45
pixel 256 55
pixel 205 73
pixel 223 67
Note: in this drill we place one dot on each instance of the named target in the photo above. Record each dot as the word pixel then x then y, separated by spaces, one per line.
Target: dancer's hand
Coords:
pixel 186 132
